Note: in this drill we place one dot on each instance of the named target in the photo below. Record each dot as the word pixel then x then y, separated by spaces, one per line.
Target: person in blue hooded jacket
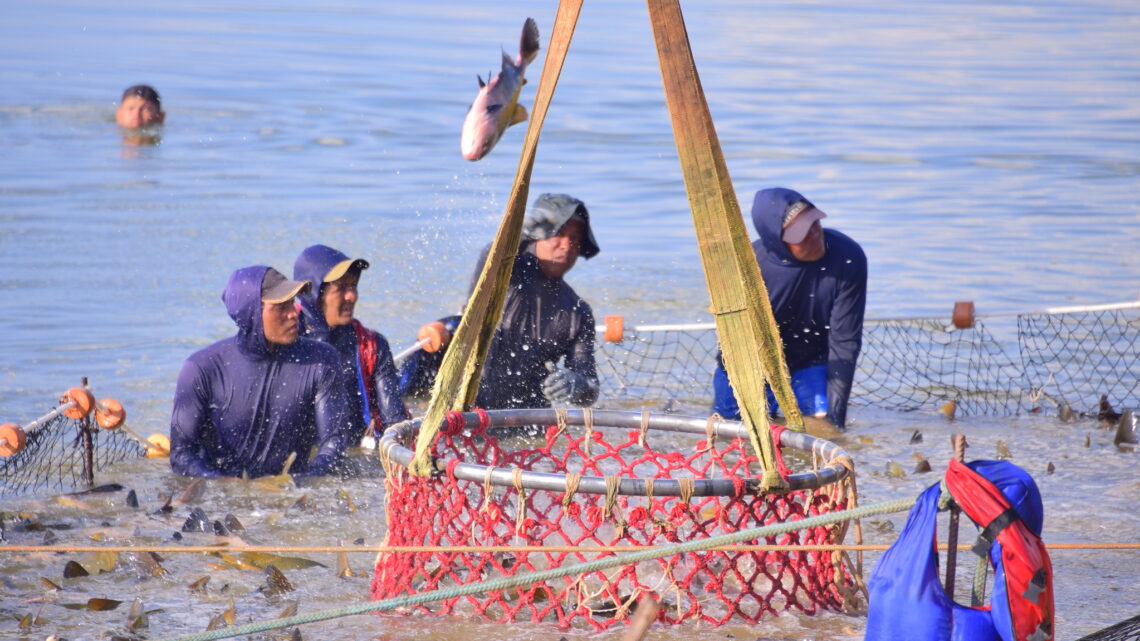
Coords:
pixel 245 404
pixel 327 315
pixel 817 285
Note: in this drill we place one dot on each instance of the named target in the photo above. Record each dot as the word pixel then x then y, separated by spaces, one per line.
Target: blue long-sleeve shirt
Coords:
pixel 378 393
pixel 241 409
pixel 818 305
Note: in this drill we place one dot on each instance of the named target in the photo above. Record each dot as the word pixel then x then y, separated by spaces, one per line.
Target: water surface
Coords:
pixel 977 151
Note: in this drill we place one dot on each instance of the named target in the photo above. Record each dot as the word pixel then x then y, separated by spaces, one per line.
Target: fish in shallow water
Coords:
pixel 496 106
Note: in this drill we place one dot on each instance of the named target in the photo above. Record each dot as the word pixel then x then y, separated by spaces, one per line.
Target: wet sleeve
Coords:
pixel 386 385
pixel 189 424
pixel 845 339
pixel 331 411
pixel 580 358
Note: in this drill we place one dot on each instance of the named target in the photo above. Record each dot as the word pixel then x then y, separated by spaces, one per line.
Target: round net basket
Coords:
pixel 594 484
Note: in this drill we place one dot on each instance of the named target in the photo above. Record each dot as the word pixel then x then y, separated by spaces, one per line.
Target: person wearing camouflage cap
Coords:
pixel 542 353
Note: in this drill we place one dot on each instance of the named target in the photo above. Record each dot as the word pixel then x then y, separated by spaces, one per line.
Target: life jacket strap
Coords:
pixel 992 530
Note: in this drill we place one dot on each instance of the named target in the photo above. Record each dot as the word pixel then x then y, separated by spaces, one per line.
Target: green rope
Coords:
pixel 504 583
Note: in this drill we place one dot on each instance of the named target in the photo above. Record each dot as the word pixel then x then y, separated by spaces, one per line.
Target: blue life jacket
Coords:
pixel 907 600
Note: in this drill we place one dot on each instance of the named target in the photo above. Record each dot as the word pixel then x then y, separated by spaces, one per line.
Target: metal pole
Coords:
pixel 85 430
pixel 959 443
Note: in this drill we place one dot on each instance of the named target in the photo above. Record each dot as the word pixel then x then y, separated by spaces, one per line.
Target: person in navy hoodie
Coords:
pixel 817 285
pixel 245 404
pixel 327 315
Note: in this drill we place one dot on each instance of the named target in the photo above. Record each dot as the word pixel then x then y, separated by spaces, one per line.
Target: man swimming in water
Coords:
pixel 140 107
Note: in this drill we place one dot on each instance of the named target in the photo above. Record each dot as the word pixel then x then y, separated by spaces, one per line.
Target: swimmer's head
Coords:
pixel 140 107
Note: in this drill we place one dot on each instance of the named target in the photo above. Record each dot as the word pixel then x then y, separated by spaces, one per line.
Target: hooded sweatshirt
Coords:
pixel 369 374
pixel 818 305
pixel 544 320
pixel 241 409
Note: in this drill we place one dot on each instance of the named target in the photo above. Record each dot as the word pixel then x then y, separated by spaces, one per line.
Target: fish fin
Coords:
pixel 519 115
pixel 480 79
pixel 507 62
pixel 528 46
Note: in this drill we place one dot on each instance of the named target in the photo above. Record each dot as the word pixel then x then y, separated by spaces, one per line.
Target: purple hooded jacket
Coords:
pixel 383 388
pixel 240 409
pixel 818 305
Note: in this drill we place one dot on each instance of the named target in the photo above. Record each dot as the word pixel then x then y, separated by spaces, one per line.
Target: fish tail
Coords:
pixel 528 47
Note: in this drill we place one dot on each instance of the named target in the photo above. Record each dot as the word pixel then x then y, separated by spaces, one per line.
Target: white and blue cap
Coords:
pixel 550 212
pixel 798 219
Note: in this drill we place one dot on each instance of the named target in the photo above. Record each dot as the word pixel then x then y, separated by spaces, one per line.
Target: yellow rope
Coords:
pixel 747 331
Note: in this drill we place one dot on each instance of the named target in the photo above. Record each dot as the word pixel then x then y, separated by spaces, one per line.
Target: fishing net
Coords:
pixel 593 484
pixel 924 363
pixel 62 454
pixel 1076 357
pixel 659 367
pixel 997 366
pixel 1127 630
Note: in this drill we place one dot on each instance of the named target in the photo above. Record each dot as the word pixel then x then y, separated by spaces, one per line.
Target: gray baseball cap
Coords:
pixel 550 212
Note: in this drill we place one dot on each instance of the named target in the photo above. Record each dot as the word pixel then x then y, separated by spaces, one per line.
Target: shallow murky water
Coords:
pixel 982 152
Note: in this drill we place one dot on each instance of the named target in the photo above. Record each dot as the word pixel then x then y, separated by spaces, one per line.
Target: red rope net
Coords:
pixel 711 586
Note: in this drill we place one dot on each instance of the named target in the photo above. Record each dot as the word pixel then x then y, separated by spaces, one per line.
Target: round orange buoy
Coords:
pixel 109 413
pixel 84 402
pixel 963 316
pixel 158 446
pixel 12 439
pixel 615 328
pixel 436 336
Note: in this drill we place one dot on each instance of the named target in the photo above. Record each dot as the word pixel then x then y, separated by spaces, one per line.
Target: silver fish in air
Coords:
pixel 496 106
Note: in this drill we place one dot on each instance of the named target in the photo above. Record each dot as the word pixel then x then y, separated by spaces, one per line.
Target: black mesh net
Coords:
pixel 1072 358
pixel 55 457
pixel 658 369
pixel 1004 366
pixel 1128 630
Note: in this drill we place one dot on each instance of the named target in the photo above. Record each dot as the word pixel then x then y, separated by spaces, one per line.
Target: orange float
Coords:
pixel 84 402
pixel 158 446
pixel 12 439
pixel 615 328
pixel 963 315
pixel 109 413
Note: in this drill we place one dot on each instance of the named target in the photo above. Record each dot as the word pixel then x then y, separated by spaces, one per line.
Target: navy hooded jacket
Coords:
pixel 544 320
pixel 818 305
pixel 241 409
pixel 382 395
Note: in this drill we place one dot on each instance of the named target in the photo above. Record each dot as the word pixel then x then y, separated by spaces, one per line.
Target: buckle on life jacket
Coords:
pixel 990 532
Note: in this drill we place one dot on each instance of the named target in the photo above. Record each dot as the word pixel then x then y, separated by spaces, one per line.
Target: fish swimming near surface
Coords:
pixel 497 107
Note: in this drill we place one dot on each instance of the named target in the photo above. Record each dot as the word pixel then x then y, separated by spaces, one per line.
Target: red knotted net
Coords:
pixel 709 586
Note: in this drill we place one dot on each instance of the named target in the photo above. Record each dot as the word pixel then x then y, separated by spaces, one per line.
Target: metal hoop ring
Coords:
pixel 391 444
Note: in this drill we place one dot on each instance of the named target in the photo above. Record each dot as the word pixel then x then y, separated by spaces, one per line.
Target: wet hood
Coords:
pixel 242 297
pixel 312 265
pixel 767 216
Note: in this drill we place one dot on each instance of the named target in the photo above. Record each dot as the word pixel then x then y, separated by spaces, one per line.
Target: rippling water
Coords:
pixel 978 151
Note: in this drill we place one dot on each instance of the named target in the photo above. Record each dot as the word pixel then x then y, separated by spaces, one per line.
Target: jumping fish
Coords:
pixel 496 106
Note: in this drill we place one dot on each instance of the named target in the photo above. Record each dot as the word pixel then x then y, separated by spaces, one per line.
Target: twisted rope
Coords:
pixel 505 583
